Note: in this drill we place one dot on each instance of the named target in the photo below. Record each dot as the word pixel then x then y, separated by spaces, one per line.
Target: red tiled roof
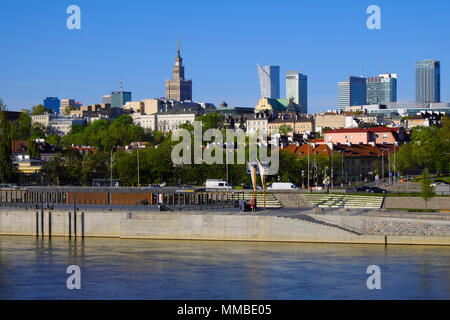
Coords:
pixel 357 150
pixel 347 130
pixel 382 129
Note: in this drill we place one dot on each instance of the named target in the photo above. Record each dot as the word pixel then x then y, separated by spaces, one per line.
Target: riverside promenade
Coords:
pixel 277 225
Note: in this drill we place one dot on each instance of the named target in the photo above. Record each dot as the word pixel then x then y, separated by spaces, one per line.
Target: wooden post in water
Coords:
pixel 37 224
pixel 70 225
pixel 82 225
pixel 74 218
pixel 49 224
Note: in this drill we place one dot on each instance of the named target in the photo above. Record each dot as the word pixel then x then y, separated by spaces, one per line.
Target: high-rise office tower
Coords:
pixel 297 89
pixel 119 98
pixel 352 92
pixel 381 89
pixel 428 81
pixel 65 103
pixel 107 99
pixel 178 88
pixel 52 103
pixel 269 81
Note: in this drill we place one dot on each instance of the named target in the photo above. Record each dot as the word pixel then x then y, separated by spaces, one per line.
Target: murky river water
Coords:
pixel 33 268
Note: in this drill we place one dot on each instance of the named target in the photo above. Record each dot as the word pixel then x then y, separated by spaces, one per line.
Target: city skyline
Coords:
pixel 48 60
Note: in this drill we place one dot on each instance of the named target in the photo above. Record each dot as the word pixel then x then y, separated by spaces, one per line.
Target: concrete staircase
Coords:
pixel 271 201
pixel 293 200
pixel 344 201
pixel 307 218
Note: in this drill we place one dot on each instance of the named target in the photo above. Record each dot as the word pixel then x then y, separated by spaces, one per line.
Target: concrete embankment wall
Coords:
pixel 28 222
pixel 391 226
pixel 438 203
pixel 193 226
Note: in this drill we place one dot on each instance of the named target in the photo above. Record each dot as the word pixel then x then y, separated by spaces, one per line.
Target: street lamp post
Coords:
pixel 342 168
pixel 308 166
pixel 382 162
pixel 111 184
pixel 332 169
pixel 138 166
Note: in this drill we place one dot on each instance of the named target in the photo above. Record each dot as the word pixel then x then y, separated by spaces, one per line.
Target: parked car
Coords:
pixel 251 188
pixel 217 184
pixel 438 183
pixel 357 189
pixel 282 186
pixel 376 190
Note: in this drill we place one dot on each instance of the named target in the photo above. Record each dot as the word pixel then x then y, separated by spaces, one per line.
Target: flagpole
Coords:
pixel 264 187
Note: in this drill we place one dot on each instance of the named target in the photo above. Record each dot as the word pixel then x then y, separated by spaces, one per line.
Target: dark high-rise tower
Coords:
pixel 178 88
pixel 428 81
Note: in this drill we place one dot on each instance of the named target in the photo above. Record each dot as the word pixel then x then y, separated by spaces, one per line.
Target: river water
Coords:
pixel 33 268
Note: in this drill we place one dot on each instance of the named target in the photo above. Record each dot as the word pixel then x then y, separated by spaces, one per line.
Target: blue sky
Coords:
pixel 221 42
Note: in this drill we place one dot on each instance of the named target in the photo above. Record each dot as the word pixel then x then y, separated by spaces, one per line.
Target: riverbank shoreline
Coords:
pixel 296 226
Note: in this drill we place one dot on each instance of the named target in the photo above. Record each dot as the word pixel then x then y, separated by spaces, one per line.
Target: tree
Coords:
pixel 187 126
pixel 54 139
pixel 23 131
pixel 427 189
pixel 33 149
pixel 211 121
pixel 405 158
pixel 69 108
pixel 285 129
pixel 39 110
pixel 38 131
pixel 6 165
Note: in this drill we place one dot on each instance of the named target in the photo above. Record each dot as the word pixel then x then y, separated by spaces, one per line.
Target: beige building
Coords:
pixel 92 111
pixel 42 119
pixel 135 106
pixel 299 125
pixel 152 106
pixel 64 104
pixel 333 121
pixel 277 105
pixel 178 88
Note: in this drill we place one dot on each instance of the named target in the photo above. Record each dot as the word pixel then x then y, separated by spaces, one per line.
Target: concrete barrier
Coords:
pixel 191 226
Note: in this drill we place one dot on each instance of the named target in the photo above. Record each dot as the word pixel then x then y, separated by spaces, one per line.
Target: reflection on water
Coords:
pixel 33 268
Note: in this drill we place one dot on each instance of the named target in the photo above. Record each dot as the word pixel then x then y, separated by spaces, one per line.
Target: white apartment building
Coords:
pixel 257 123
pixel 170 121
pixel 56 124
pixel 146 121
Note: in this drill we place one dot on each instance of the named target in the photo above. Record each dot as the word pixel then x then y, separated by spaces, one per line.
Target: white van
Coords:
pixel 282 186
pixel 217 184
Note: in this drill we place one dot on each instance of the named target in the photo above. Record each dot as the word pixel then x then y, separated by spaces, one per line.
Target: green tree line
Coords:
pixel 429 148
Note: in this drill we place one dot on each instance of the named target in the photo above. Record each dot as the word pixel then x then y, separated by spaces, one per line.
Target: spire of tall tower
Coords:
pixel 121 93
pixel 178 51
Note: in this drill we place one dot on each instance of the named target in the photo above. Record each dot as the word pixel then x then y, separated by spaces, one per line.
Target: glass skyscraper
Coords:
pixel 297 89
pixel 52 103
pixel 352 92
pixel 381 89
pixel 269 81
pixel 428 81
pixel 119 98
